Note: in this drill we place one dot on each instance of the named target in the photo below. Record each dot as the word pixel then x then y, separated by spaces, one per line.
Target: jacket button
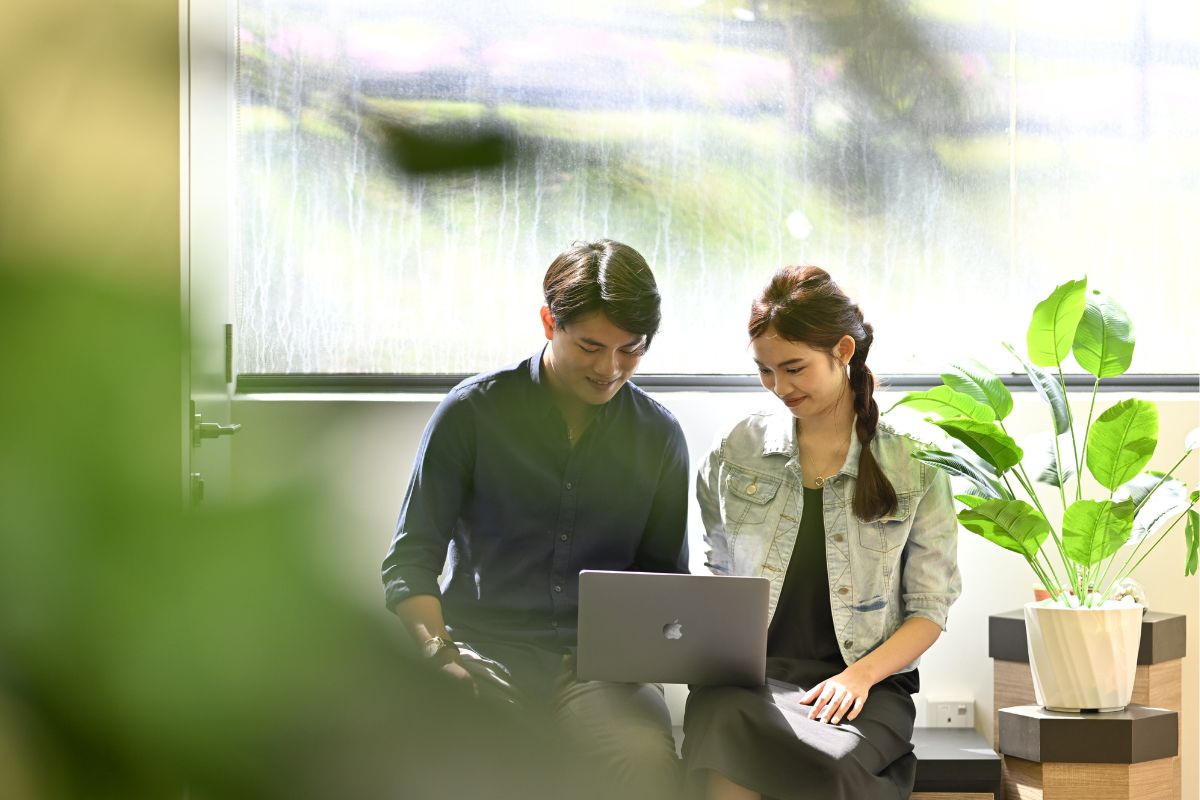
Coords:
pixel 843 590
pixel 837 537
pixel 849 643
pixel 752 489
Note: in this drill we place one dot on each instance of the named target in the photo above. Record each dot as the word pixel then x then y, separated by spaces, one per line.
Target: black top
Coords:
pixel 803 623
pixel 497 486
pixel 802 627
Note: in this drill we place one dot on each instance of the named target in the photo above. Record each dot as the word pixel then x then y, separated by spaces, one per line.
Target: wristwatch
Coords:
pixel 433 647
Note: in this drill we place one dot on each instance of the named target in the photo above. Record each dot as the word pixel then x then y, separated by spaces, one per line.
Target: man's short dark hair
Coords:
pixel 608 277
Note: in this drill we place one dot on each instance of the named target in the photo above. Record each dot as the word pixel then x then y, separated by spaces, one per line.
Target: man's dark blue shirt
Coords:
pixel 498 486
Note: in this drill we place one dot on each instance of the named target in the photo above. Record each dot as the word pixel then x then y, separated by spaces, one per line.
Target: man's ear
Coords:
pixel 547 322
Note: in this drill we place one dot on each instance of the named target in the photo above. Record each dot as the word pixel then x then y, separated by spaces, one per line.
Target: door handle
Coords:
pixel 214 430
pixel 211 430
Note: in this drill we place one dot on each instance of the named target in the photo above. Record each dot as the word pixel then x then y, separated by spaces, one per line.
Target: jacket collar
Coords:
pixel 779 438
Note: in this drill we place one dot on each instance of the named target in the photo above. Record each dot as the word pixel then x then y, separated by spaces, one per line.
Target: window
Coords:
pixel 948 162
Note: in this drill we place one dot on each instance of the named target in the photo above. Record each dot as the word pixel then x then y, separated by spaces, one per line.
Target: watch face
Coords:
pixel 434 646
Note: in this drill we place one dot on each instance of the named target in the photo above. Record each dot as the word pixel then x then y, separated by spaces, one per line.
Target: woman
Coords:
pixel 859 542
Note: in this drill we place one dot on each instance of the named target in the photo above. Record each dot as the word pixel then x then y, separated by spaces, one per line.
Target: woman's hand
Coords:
pixel 842 696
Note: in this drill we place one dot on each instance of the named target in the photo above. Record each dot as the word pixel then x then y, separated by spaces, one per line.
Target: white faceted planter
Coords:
pixel 1083 658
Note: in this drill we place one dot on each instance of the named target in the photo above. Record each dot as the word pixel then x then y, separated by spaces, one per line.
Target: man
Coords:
pixel 527 475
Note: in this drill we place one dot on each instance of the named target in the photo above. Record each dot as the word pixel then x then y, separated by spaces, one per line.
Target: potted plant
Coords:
pixel 1083 640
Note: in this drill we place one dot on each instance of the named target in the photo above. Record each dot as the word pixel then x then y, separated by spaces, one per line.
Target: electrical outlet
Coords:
pixel 950 714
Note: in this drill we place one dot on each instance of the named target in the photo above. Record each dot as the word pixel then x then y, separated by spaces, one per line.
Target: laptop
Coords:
pixel 645 627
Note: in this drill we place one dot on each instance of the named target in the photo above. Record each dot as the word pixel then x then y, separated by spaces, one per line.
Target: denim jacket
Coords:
pixel 880 573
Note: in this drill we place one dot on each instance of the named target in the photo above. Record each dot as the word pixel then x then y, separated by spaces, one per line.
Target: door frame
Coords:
pixel 208 114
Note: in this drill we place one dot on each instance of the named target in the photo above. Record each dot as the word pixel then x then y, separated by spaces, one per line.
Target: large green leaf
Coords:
pixel 947 402
pixel 973 379
pixel 1052 329
pixel 985 440
pixel 1094 530
pixel 1191 533
pixel 1050 390
pixel 1041 459
pixel 1104 339
pixel 1140 485
pixel 971 500
pixel 958 466
pixel 1121 441
pixel 1012 524
pixel 1166 503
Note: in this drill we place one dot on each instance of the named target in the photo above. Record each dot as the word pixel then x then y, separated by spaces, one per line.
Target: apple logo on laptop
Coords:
pixel 673 630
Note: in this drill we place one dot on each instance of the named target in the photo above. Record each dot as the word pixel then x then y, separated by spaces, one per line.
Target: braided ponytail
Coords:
pixel 874 495
pixel 803 304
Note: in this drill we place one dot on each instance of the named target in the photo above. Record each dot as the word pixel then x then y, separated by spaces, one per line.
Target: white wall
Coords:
pixel 362 448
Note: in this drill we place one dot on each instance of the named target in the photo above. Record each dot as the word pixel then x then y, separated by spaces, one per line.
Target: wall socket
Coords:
pixel 950 714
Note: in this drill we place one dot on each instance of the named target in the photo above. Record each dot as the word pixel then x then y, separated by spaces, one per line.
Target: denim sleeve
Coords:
pixel 440 481
pixel 664 542
pixel 931 581
pixel 708 496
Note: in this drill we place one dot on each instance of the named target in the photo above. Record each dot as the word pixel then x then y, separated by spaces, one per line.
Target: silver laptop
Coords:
pixel 643 627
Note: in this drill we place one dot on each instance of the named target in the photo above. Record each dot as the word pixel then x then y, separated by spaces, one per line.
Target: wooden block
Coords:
pixel 1164 637
pixel 1022 779
pixel 1012 685
pixel 1161 685
pixel 953 796
pixel 1135 735
pixel 1158 681
pixel 1157 685
pixel 1148 780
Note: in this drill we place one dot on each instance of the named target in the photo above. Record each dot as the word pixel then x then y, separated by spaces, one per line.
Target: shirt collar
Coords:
pixel 535 365
pixel 538 378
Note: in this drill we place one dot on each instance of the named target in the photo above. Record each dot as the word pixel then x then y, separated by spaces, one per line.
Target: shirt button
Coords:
pixel 843 590
pixel 562 538
pixel 570 486
pixel 837 537
pixel 849 643
pixel 557 588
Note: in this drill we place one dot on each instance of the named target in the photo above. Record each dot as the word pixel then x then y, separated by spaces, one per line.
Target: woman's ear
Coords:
pixel 845 349
pixel 547 322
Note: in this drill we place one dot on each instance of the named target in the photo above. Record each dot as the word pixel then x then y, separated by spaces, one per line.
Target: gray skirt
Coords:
pixel 762 739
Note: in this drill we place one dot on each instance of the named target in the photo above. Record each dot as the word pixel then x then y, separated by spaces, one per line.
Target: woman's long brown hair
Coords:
pixel 803 304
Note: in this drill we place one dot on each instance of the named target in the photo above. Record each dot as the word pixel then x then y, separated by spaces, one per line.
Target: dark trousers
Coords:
pixel 623 729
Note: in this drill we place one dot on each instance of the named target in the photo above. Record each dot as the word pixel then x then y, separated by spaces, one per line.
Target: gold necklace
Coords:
pixel 820 480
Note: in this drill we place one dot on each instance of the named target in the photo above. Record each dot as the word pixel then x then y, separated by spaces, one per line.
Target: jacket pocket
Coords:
pixel 748 497
pixel 891 530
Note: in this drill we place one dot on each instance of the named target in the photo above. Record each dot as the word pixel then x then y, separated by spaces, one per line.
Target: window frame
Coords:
pixel 389 383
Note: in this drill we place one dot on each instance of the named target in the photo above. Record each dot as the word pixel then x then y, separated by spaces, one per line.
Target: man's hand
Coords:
pixel 843 695
pixel 454 670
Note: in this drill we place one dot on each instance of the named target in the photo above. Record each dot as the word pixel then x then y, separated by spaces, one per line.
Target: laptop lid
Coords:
pixel 643 627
